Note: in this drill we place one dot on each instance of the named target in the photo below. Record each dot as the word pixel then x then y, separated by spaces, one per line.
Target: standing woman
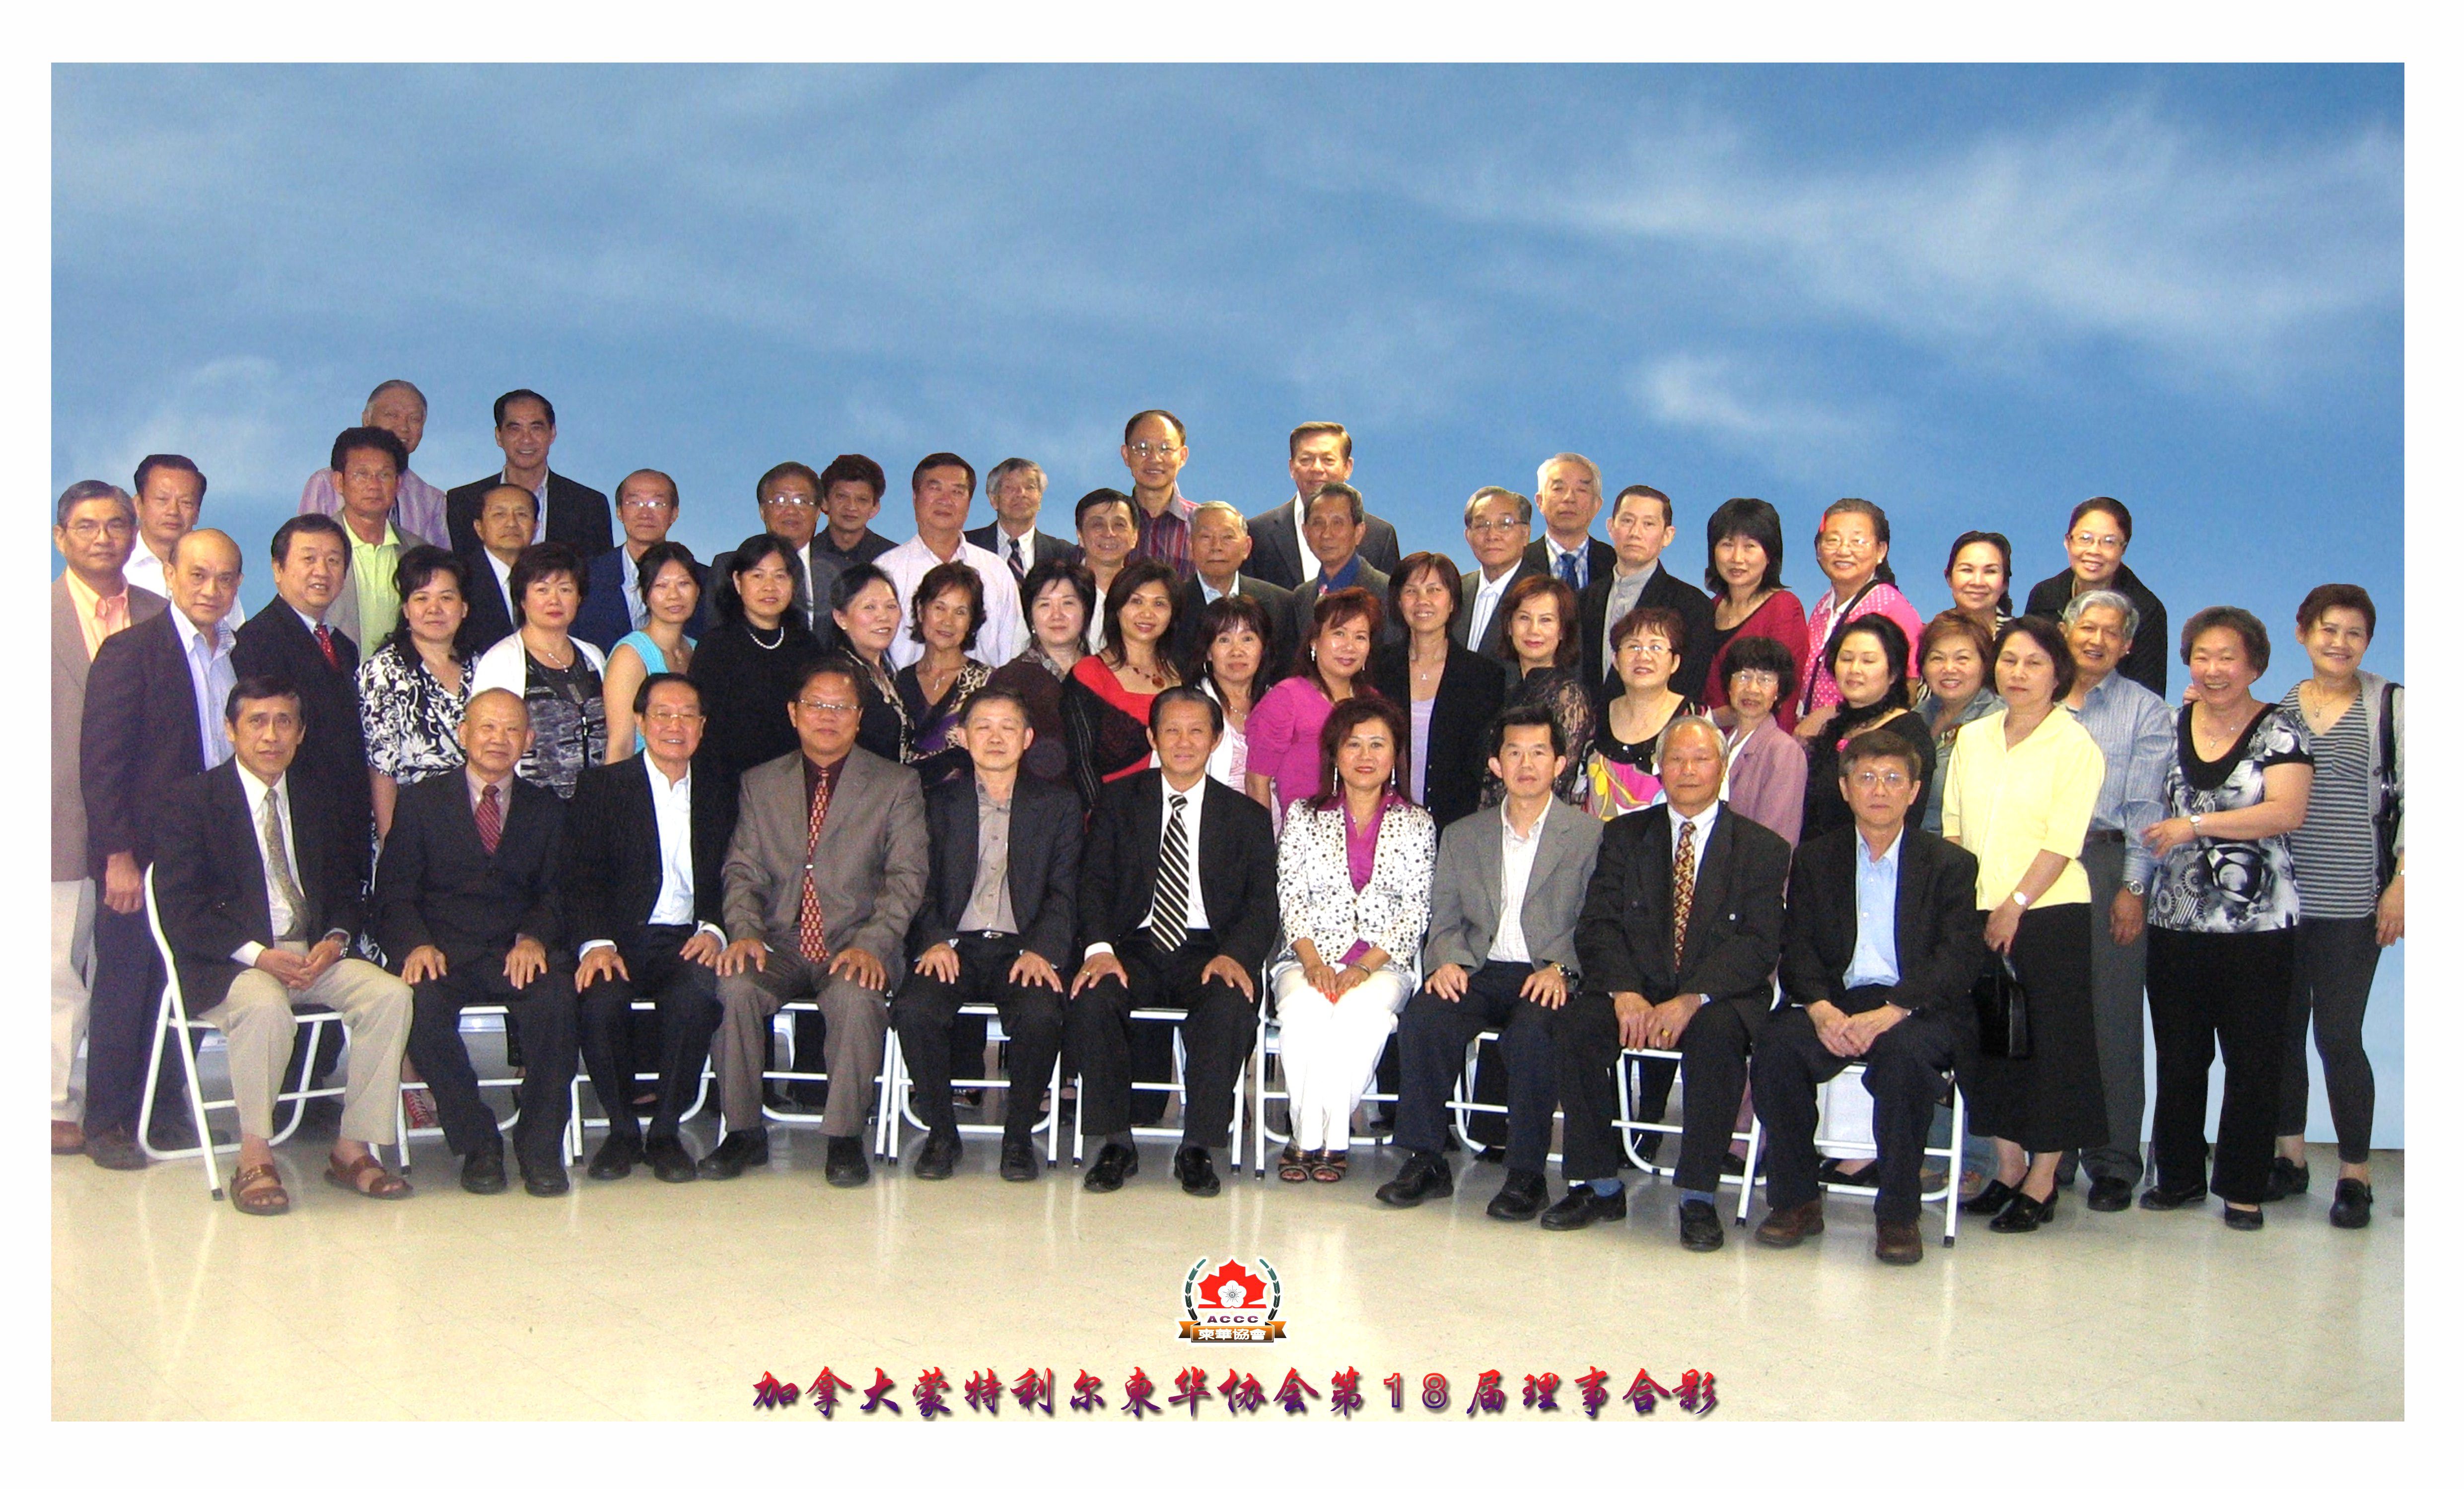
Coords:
pixel 1540 622
pixel 556 674
pixel 1285 763
pixel 2348 858
pixel 2021 794
pixel 1744 542
pixel 1353 876
pixel 947 612
pixel 1766 776
pixel 1060 596
pixel 1622 774
pixel 747 664
pixel 1451 692
pixel 1867 664
pixel 2099 535
pixel 1979 576
pixel 671 595
pixel 1104 704
pixel 413 686
pixel 1954 648
pixel 864 607
pixel 1854 547
pixel 1235 636
pixel 2220 920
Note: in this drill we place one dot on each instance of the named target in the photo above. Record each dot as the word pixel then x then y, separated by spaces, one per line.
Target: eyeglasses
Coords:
pixel 1872 779
pixel 643 503
pixel 2109 543
pixel 810 706
pixel 1488 525
pixel 87 528
pixel 1654 647
pixel 788 499
pixel 1143 448
pixel 1832 542
pixel 675 715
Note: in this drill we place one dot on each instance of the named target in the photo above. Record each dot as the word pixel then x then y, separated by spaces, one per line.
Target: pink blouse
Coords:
pixel 1816 686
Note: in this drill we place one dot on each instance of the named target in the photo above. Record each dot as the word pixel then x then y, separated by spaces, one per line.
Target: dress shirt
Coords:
pixel 1004 634
pixel 471 783
pixel 2135 730
pixel 1581 556
pixel 372 571
pixel 146 572
pixel 1195 911
pixel 505 573
pixel 1023 544
pixel 211 678
pixel 1701 834
pixel 638 611
pixel 1300 533
pixel 1208 593
pixel 1166 535
pixel 1624 589
pixel 418 508
pixel 277 913
pixel 1521 852
pixel 1875 962
pixel 2005 804
pixel 1343 578
pixel 988 906
pixel 97 615
pixel 1483 601
pixel 672 808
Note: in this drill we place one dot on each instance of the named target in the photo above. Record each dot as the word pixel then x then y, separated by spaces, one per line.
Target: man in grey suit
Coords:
pixel 1497 525
pixel 1507 891
pixel 827 868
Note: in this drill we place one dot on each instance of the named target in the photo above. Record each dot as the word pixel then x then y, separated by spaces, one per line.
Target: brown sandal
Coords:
pixel 1331 1166
pixel 258 1190
pixel 387 1186
pixel 1294 1166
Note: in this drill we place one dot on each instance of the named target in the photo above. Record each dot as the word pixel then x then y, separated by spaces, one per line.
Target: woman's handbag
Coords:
pixel 2001 1011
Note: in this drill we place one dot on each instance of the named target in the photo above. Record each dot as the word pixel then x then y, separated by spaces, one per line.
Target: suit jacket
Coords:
pixel 1470 889
pixel 69 667
pixel 1602 557
pixel 869 867
pixel 1493 641
pixel 2149 646
pixel 570 513
pixel 1314 885
pixel 1662 590
pixel 1732 935
pixel 1047 833
pixel 606 618
pixel 491 620
pixel 1049 549
pixel 210 878
pixel 436 886
pixel 1471 691
pixel 138 739
pixel 611 871
pixel 1236 867
pixel 1939 932
pixel 1284 611
pixel 1275 551
pixel 333 747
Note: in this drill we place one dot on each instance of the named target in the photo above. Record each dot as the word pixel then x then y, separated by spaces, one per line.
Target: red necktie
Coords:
pixel 489 818
pixel 325 644
pixel 810 943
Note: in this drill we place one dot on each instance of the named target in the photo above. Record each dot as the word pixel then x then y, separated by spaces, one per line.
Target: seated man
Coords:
pixel 260 902
pixel 998 923
pixel 1679 935
pixel 825 871
pixel 1501 953
pixel 468 910
pixel 1179 897
pixel 643 846
pixel 1884 940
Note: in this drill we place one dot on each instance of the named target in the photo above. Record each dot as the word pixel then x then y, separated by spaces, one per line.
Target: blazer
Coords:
pixel 333 747
pixel 1602 557
pixel 1493 641
pixel 69 667
pixel 2149 647
pixel 606 618
pixel 1275 547
pixel 611 870
pixel 570 513
pixel 210 879
pixel 1470 893
pixel 1667 591
pixel 869 867
pixel 1047 833
pixel 1314 886
pixel 138 738
pixel 1284 611
pixel 1938 931
pixel 1049 549
pixel 1732 935
pixel 1236 867
pixel 491 620
pixel 1766 779
pixel 1471 691
pixel 436 886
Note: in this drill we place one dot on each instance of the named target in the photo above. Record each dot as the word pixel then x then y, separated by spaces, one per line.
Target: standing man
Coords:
pixel 508 519
pixel 825 871
pixel 2099 535
pixel 291 640
pixel 95 527
pixel 401 411
pixel 153 710
pixel 1218 542
pixel 366 470
pixel 1643 522
pixel 1154 446
pixel 944 486
pixel 612 607
pixel 1569 496
pixel 1016 490
pixel 1108 528
pixel 789 498
pixel 569 512
pixel 851 488
pixel 1337 521
pixel 170 493
pixel 1320 452
pixel 1497 527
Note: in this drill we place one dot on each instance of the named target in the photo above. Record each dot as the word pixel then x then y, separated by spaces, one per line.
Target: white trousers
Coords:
pixel 71 990
pixel 1329 1050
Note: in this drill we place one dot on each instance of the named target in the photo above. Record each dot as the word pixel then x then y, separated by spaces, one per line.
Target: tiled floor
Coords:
pixel 640 1300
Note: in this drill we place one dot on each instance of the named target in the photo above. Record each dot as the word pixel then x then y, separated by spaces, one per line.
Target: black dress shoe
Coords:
pixel 1698 1226
pixel 1424 1176
pixel 1991 1199
pixel 735 1153
pixel 1018 1160
pixel 545 1183
pixel 1116 1163
pixel 1523 1196
pixel 844 1165
pixel 670 1163
pixel 1582 1206
pixel 2023 1214
pixel 1195 1167
pixel 2285 1179
pixel 2108 1195
pixel 1866 1177
pixel 2250 1220
pixel 2351 1209
pixel 2156 1197
pixel 113 1147
pixel 615 1157
pixel 939 1158
pixel 1489 1153
pixel 484 1172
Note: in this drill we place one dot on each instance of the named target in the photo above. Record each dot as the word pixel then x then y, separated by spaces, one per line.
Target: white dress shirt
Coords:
pixel 1483 601
pixel 211 680
pixel 1521 851
pixel 146 572
pixel 1194 911
pixel 1004 634
pixel 1582 557
pixel 1701 834
pixel 672 809
pixel 505 573
pixel 277 913
pixel 1022 542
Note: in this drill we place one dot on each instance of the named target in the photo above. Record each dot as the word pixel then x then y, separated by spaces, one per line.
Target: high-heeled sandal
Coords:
pixel 1331 1166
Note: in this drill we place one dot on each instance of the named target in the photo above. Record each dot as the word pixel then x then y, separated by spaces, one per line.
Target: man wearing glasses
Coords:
pixel 1497 525
pixel 1280 551
pixel 1154 446
pixel 646 508
pixel 2099 534
pixel 789 498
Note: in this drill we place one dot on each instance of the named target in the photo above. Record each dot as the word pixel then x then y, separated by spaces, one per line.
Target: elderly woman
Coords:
pixel 671 595
pixel 2220 920
pixel 1866 661
pixel 413 684
pixel 2099 535
pixel 1228 657
pixel 1622 773
pixel 1541 622
pixel 1285 763
pixel 1979 576
pixel 1854 547
pixel 1451 692
pixel 946 611
pixel 1060 596
pixel 746 665
pixel 1953 651
pixel 556 674
pixel 1105 705
pixel 1743 538
pixel 1765 782
pixel 1352 874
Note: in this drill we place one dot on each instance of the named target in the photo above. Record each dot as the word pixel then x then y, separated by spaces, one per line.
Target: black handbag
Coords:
pixel 2001 1011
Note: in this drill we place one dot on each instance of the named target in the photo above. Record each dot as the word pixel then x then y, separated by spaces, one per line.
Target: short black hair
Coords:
pixel 507 399
pixel 994 692
pixel 1101 497
pixel 420 564
pixel 2313 605
pixel 855 468
pixel 780 471
pixel 641 695
pixel 752 551
pixel 256 686
pixel 540 560
pixel 79 492
pixel 2046 634
pixel 368 436
pixel 2251 630
pixel 657 556
pixel 1184 694
pixel 1527 715
pixel 1179 430
pixel 1667 508
pixel 1059 571
pixel 1892 641
pixel 958 575
pixel 153 463
pixel 510 486
pixel 852 581
pixel 941 457
pixel 309 522
pixel 1759 654
pixel 829 663
pixel 1742 517
pixel 2120 513
pixel 1877 743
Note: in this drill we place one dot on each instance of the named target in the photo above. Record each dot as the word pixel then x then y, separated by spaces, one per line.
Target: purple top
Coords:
pixel 1360 855
pixel 418 508
pixel 1421 712
pixel 1284 740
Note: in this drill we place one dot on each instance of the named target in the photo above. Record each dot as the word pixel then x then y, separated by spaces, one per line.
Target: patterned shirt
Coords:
pixel 1165 535
pixel 2213 884
pixel 412 722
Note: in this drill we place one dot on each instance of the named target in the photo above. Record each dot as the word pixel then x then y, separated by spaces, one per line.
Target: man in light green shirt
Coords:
pixel 367 470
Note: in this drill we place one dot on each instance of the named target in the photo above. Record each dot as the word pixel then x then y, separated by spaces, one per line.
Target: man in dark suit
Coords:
pixel 1884 940
pixel 2099 535
pixel 1497 524
pixel 1680 932
pixel 469 911
pixel 508 517
pixel 571 512
pixel 1337 524
pixel 259 889
pixel 1218 542
pixel 645 847
pixel 1643 522
pixel 1015 489
pixel 612 604
pixel 289 639
pixel 1280 555
pixel 151 695
pixel 851 488
pixel 1568 494
pixel 789 498
pixel 997 926
pixel 1178 907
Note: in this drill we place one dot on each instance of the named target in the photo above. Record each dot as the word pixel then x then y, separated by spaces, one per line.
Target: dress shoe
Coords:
pixel 173 1130
pixel 1116 1163
pixel 616 1157
pixel 670 1163
pixel 939 1158
pixel 1424 1176
pixel 2108 1195
pixel 1018 1160
pixel 544 1183
pixel 1582 1206
pixel 67 1137
pixel 483 1173
pixel 735 1153
pixel 1897 1242
pixel 1698 1226
pixel 2351 1209
pixel 1489 1153
pixel 2250 1220
pixel 1866 1177
pixel 2023 1214
pixel 113 1147
pixel 1195 1167
pixel 1524 1195
pixel 845 1167
pixel 2287 1179
pixel 1991 1199
pixel 2156 1197
pixel 1787 1227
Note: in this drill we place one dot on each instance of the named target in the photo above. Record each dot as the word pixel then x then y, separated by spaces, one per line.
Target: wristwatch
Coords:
pixel 2019 897
pixel 2135 887
pixel 2195 826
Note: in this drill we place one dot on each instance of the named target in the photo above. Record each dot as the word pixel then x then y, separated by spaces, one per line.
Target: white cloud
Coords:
pixel 1722 399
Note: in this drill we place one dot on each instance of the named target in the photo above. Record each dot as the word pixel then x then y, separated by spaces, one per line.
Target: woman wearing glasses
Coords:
pixel 1854 548
pixel 2099 534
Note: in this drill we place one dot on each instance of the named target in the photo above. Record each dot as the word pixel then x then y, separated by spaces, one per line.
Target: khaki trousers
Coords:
pixel 255 1018
pixel 71 990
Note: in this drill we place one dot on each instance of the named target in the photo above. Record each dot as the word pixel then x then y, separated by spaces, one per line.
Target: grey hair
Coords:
pixel 2110 600
pixel 1565 457
pixel 1013 465
pixel 1718 741
pixel 404 384
pixel 83 491
pixel 1240 523
pixel 1521 503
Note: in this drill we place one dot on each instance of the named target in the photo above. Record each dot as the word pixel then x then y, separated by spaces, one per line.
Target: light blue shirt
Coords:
pixel 1877 959
pixel 210 679
pixel 2134 729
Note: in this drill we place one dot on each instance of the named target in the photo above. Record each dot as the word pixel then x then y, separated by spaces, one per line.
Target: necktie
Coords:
pixel 489 818
pixel 325 644
pixel 1680 892
pixel 1018 560
pixel 1567 572
pixel 1170 924
pixel 810 943
pixel 278 863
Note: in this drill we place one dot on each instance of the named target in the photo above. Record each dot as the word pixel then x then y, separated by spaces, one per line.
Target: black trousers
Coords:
pixel 544 1012
pixel 686 994
pixel 2208 991
pixel 1221 1027
pixel 925 1013
pixel 1904 1070
pixel 1712 1050
pixel 2053 1100
pixel 120 1023
pixel 2334 963
pixel 1432 1036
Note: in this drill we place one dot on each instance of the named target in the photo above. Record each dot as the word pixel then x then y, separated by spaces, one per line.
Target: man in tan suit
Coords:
pixel 95 527
pixel 827 868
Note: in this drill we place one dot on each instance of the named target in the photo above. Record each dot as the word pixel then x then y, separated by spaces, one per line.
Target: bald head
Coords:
pixel 496 733
pixel 204 576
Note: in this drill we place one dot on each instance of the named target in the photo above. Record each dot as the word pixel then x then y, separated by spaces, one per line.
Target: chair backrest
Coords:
pixel 162 947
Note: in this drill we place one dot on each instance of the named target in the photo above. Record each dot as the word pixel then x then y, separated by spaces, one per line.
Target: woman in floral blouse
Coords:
pixel 413 684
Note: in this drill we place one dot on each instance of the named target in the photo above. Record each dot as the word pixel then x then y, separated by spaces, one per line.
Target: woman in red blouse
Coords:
pixel 1743 538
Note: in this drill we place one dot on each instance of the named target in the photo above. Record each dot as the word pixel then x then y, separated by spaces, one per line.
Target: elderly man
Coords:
pixel 1320 452
pixel 1154 446
pixel 291 640
pixel 944 484
pixel 646 509
pixel 2135 730
pixel 508 519
pixel 367 464
pixel 569 512
pixel 1016 490
pixel 1569 497
pixel 1337 522
pixel 170 493
pixel 1643 522
pixel 401 411
pixel 789 498
pixel 1497 525
pixel 2097 538
pixel 1218 541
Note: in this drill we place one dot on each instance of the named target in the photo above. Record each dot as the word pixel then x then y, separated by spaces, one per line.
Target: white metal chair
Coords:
pixel 899 1106
pixel 813 1119
pixel 1630 1127
pixel 577 1129
pixel 1463 1106
pixel 474 1018
pixel 1270 1046
pixel 1829 1139
pixel 1179 1085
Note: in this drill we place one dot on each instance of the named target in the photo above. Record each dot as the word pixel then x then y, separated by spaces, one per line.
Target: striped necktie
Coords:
pixel 1170 924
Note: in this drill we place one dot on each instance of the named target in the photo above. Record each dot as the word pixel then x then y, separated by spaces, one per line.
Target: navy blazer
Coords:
pixel 137 740
pixel 1938 933
pixel 437 887
pixel 572 513
pixel 333 747
pixel 209 881
pixel 1732 933
pixel 611 870
pixel 1236 867
pixel 606 618
pixel 1047 832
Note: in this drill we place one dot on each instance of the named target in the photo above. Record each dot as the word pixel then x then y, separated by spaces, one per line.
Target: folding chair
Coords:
pixel 1826 1138
pixel 813 1119
pixel 474 1019
pixel 1179 1085
pixel 898 1104
pixel 577 1129
pixel 1629 1126
pixel 1463 1106
pixel 1270 1046
pixel 172 1022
